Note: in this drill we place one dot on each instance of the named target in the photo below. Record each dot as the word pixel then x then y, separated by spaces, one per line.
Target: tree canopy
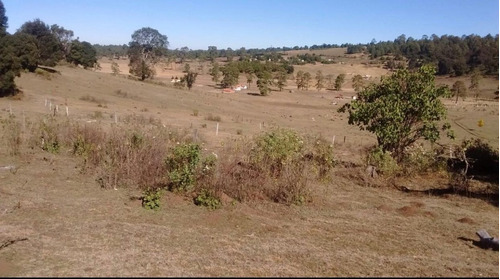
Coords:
pixel 3 20
pixel 82 53
pixel 146 47
pixel 401 109
pixel 51 50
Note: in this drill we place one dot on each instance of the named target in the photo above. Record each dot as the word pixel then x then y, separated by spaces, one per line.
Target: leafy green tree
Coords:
pixel 65 37
pixel 459 89
pixel 264 82
pixel 307 80
pixel 401 109
pixel 230 75
pixel 189 78
pixel 357 82
pixel 10 67
pixel 249 76
pixel 82 53
pixel 339 81
pixel 281 78
pixel 320 80
pixel 229 54
pixel 212 53
pixel 215 72
pixel 115 68
pixel 3 20
pixel 51 50
pixel 26 50
pixel 475 78
pixel 146 48
pixel 299 79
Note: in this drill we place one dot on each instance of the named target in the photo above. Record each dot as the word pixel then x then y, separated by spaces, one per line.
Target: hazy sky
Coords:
pixel 198 24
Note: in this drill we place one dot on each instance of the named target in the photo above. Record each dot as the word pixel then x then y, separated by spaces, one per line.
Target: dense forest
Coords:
pixel 453 55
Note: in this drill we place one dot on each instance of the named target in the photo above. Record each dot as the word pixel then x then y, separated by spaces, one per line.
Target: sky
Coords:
pixel 198 24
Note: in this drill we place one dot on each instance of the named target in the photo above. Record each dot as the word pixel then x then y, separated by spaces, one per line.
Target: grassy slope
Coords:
pixel 74 228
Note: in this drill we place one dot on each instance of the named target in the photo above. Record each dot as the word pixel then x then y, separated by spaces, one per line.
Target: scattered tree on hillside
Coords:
pixel 145 50
pixel 264 82
pixel 474 83
pixel 212 53
pixel 215 72
pixel 51 50
pixel 339 81
pixel 307 80
pixel 281 79
pixel 459 89
pixel 230 75
pixel 229 54
pixel 249 76
pixel 187 68
pixel 299 80
pixel 320 80
pixel 82 53
pixel 115 68
pixel 189 78
pixel 357 83
pixel 401 109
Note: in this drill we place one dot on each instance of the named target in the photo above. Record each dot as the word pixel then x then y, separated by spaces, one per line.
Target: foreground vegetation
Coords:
pixel 278 165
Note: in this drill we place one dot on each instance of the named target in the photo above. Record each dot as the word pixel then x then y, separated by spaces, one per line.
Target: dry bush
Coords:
pixel 92 99
pixel 123 94
pixel 319 152
pixel 211 117
pixel 132 158
pixel 235 177
pixel 12 135
pixel 48 134
pixel 141 120
pixel 42 73
pixel 271 167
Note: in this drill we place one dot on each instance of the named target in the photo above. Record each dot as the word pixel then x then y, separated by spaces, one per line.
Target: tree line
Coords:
pixel 36 43
pixel 452 55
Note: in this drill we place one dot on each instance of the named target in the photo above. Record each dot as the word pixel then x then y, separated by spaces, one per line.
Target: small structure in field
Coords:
pixel 227 90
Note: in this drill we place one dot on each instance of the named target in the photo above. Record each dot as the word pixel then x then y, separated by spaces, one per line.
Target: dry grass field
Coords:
pixel 55 220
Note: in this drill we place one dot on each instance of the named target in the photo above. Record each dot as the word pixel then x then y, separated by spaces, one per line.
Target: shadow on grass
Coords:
pixel 254 94
pixel 491 198
pixel 481 244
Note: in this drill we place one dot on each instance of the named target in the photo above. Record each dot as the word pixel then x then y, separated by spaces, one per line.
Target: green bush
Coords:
pixel 208 199
pixel 320 152
pixel 275 149
pixel 151 199
pixel 181 166
pixel 49 136
pixel 416 159
pixel 208 165
pixel 383 161
pixel 81 146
